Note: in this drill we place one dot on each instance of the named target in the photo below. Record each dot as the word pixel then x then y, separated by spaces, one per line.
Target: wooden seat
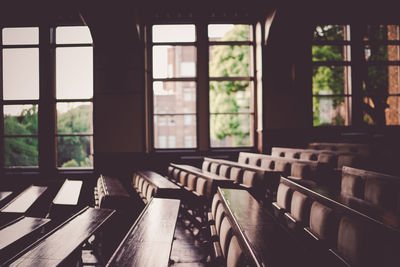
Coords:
pixel 249 178
pixel 205 166
pixel 282 200
pixel 225 234
pixel 183 178
pixel 219 215
pixel 214 168
pixel 191 182
pixel 236 174
pixel 235 255
pixel 224 170
pixel 298 215
pixel 321 226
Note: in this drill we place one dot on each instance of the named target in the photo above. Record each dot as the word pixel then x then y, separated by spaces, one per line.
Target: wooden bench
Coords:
pixel 260 182
pixel 335 234
pixel 62 245
pixel 334 159
pixel 310 171
pixel 248 235
pixel 111 194
pixel 199 187
pixel 18 234
pixel 361 149
pixel 149 241
pixel 150 184
pixel 65 203
pixel 375 189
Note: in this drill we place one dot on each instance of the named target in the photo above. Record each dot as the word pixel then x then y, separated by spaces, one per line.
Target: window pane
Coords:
pixel 331 111
pixel 174 33
pixel 76 117
pixel 378 113
pixel 231 130
pixel 74 151
pixel 382 80
pixel 21 73
pixel 229 32
pixel 174 61
pixel 331 80
pixel 330 53
pixel 230 96
pixel 381 52
pixel 21 36
pixel 331 32
pixel 20 152
pixel 230 60
pixel 73 35
pixel 74 72
pixel 176 127
pixel 174 97
pixel 381 32
pixel 20 119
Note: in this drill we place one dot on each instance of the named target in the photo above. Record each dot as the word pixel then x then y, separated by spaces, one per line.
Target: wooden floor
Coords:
pixel 186 251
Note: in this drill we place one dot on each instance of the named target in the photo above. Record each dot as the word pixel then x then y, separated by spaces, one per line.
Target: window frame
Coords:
pixel 46 103
pixel 202 80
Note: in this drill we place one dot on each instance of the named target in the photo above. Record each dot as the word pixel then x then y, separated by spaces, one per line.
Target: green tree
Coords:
pixel 21 151
pixel 230 96
pixel 328 80
pixel 73 151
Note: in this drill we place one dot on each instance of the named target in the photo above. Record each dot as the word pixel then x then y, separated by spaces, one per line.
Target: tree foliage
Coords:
pixel 73 151
pixel 230 96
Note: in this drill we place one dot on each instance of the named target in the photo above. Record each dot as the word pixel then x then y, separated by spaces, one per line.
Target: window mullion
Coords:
pixel 203 128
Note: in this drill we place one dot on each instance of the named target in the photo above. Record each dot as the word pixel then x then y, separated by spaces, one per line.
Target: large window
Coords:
pixel 177 73
pixel 371 97
pixel 174 85
pixel 331 78
pixel 381 75
pixel 20 96
pixel 74 94
pixel 27 93
pixel 231 77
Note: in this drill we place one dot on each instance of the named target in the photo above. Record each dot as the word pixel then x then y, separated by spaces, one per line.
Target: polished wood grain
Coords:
pixel 55 247
pixel 18 229
pixel 261 237
pixel 69 193
pixel 22 202
pixel 157 180
pixel 149 241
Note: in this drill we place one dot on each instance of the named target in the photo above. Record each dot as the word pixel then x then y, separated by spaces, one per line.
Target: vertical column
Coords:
pixel 357 68
pixel 392 113
pixel 47 118
pixel 203 114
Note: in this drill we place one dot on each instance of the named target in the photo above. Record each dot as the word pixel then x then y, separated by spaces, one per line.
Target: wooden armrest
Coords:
pixel 187 189
pixel 338 259
pixel 218 256
pixel 311 234
pixel 213 233
pixel 289 217
pixel 196 194
pixel 290 221
pixel 210 218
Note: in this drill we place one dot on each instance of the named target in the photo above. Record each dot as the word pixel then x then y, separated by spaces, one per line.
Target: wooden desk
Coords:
pixel 22 202
pixel 66 201
pixel 262 239
pixel 59 244
pixel 164 187
pixel 149 241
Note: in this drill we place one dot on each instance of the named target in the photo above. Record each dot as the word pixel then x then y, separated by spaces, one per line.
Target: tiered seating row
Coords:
pixel 110 193
pixel 338 234
pixel 148 184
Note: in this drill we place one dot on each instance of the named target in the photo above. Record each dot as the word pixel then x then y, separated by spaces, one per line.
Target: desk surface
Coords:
pixel 4 194
pixel 159 181
pixel 18 229
pixel 22 202
pixel 261 237
pixel 55 247
pixel 149 241
pixel 68 193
